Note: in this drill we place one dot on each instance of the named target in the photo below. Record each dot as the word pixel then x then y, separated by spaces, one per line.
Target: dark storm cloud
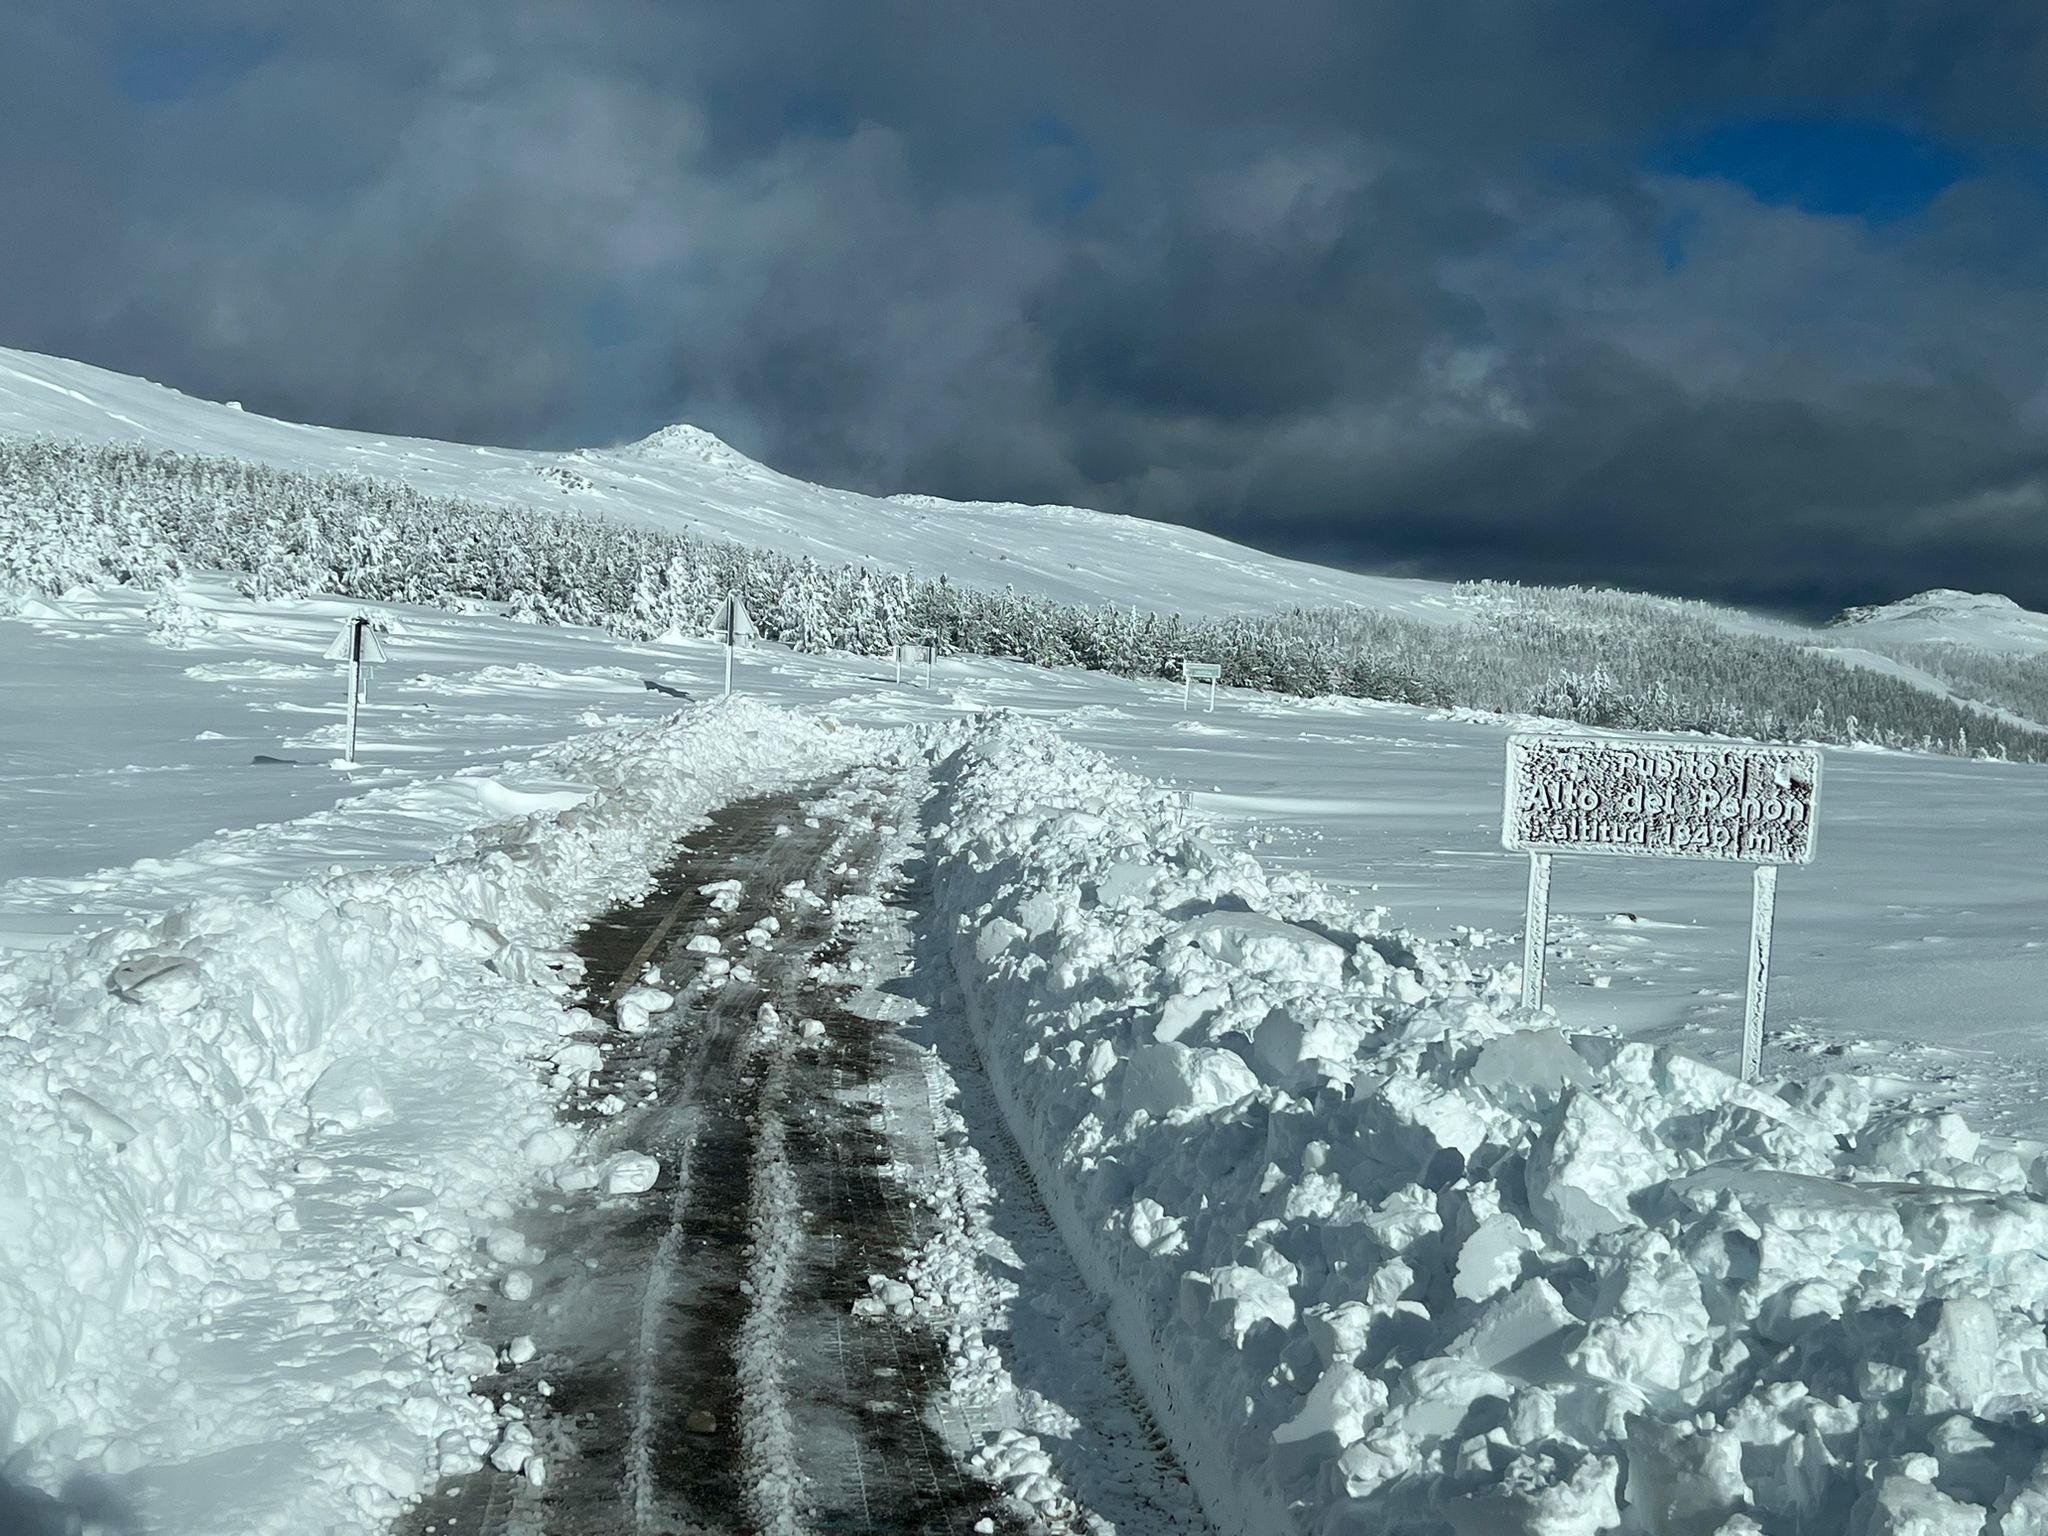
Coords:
pixel 1727 297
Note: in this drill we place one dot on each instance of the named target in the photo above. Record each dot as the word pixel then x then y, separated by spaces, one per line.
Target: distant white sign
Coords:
pixel 1659 799
pixel 359 646
pixel 359 642
pixel 1193 672
pixel 733 623
pixel 914 655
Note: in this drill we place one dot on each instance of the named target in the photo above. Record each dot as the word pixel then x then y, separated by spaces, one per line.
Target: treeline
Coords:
pixel 2013 681
pixel 77 513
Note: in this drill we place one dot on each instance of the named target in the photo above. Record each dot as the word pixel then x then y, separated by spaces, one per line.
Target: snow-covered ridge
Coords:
pixel 253 1149
pixel 1384 1250
pixel 687 480
pixel 1943 616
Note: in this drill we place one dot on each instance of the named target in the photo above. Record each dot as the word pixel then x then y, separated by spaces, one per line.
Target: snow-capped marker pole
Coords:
pixel 358 645
pixel 1661 799
pixel 914 654
pixel 1193 672
pixel 1535 930
pixel 733 626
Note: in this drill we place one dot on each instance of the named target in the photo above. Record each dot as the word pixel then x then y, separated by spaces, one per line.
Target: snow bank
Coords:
pixel 1388 1255
pixel 250 1151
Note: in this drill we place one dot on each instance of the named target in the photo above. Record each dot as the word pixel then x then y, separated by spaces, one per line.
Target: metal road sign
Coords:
pixel 358 641
pixel 913 654
pixel 1661 799
pixel 359 646
pixel 733 623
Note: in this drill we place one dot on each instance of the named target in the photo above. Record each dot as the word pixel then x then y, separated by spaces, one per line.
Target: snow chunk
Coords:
pixel 1167 1078
pixel 1268 945
pixel 630 1173
pixel 638 1005
pixel 349 1096
pixel 169 982
pixel 1343 1404
pixel 1582 1177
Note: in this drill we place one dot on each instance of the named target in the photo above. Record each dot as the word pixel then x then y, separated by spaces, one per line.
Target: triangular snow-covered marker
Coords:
pixel 344 647
pixel 732 625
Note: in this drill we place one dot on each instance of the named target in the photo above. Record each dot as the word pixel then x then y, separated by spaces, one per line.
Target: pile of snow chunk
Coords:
pixel 1388 1255
pixel 251 1151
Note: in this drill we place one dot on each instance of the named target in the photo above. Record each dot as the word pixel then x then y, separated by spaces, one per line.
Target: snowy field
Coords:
pixel 1913 943
pixel 179 1242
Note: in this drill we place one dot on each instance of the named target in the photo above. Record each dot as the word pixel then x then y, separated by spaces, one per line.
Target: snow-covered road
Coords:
pixel 807 1319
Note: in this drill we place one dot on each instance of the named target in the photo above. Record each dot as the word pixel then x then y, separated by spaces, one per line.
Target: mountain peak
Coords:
pixel 1934 603
pixel 1945 616
pixel 682 442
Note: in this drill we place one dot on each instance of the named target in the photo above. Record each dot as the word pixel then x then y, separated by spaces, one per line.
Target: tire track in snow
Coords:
pixel 642 1296
pixel 705 1368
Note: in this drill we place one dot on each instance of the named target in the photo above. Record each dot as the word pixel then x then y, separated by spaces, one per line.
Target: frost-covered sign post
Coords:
pixel 1193 672
pixel 1662 799
pixel 914 654
pixel 358 645
pixel 733 625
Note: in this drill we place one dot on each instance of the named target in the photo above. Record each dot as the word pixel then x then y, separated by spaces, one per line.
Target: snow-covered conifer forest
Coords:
pixel 74 513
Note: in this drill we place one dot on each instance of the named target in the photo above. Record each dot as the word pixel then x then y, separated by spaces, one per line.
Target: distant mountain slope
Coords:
pixel 1985 621
pixel 687 480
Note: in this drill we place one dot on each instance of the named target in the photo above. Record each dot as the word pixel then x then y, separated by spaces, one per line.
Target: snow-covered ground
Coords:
pixel 276 1077
pixel 1391 1254
pixel 283 1045
pixel 1914 940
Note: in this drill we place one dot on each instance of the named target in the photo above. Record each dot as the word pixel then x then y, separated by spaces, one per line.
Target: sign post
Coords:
pixel 1535 930
pixel 358 645
pixel 1192 672
pixel 914 654
pixel 733 625
pixel 1660 799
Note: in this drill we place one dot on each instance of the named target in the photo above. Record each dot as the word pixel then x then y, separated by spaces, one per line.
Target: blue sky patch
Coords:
pixel 162 66
pixel 1865 170
pixel 1058 167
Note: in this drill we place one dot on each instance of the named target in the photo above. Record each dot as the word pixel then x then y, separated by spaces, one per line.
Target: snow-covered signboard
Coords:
pixel 1193 672
pixel 1660 799
pixel 914 655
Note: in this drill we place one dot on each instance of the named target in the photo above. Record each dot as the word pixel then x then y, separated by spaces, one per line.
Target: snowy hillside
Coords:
pixel 686 480
pixel 1983 621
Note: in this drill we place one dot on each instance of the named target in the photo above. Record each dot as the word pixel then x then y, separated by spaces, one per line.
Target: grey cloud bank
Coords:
pixel 1415 286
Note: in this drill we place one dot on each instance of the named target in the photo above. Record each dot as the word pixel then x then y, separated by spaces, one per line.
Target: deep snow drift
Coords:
pixel 251 1150
pixel 1392 1255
